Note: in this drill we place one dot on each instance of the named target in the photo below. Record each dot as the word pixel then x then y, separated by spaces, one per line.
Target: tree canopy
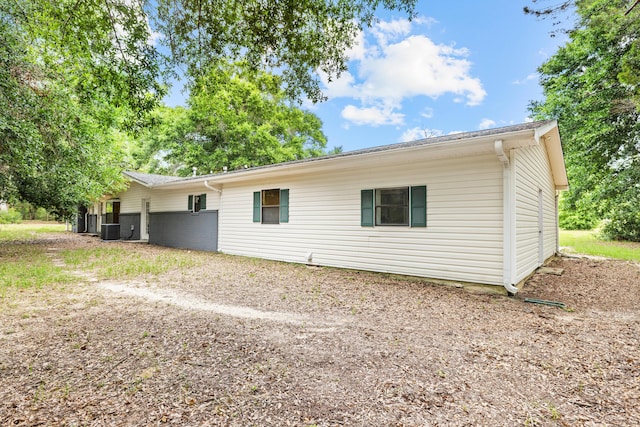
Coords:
pixel 237 117
pixel 591 85
pixel 73 74
pixel 295 38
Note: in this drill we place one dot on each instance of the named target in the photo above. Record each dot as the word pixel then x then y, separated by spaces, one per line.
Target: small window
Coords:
pixel 112 210
pixel 392 206
pixel 197 202
pixel 399 206
pixel 271 206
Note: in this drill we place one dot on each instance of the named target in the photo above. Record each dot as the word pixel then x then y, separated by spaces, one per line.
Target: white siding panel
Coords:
pixel 462 240
pixel 177 200
pixel 162 200
pixel 131 200
pixel 533 173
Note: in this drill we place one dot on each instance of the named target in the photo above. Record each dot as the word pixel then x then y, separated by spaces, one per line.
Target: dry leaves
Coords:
pixel 370 350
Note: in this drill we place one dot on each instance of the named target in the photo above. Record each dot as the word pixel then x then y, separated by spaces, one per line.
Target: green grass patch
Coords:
pixel 588 243
pixel 28 231
pixel 26 266
pixel 120 263
pixel 24 262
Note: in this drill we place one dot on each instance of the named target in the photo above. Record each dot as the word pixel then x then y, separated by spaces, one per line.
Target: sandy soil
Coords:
pixel 239 342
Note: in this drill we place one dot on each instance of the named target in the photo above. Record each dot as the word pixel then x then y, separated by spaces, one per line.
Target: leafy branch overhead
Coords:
pixel 74 74
pixel 295 38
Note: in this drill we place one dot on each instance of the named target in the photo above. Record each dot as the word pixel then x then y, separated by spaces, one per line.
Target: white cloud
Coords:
pixel 374 116
pixel 417 133
pixel 154 36
pixel 416 66
pixel 384 31
pixel 486 124
pixel 427 113
pixel 426 20
pixel 530 77
pixel 397 66
pixel 344 86
pixel 357 51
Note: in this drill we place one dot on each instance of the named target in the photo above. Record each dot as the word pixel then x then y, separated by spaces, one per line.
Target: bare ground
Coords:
pixel 239 342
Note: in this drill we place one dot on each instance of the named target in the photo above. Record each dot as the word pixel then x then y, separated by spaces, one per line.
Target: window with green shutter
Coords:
pixel 197 202
pixel 271 206
pixel 392 206
pixel 397 206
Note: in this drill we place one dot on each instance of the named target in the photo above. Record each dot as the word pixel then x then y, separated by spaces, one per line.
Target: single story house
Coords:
pixel 476 207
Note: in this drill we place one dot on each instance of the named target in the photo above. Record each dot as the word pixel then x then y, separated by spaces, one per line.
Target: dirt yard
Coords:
pixel 242 342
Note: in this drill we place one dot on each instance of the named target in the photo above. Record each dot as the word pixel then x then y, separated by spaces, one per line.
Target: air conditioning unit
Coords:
pixel 110 232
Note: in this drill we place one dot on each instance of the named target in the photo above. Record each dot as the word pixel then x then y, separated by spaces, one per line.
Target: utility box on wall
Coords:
pixel 110 232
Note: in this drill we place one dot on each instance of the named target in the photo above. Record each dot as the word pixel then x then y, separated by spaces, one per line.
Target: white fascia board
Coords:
pixel 550 137
pixel 541 131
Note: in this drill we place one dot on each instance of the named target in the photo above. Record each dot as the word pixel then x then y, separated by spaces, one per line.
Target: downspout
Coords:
pixel 507 219
pixel 557 224
pixel 206 184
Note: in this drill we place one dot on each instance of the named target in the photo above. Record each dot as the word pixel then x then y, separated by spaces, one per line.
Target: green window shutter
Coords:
pixel 284 205
pixel 366 208
pixel 256 206
pixel 419 206
pixel 203 202
pixel 190 203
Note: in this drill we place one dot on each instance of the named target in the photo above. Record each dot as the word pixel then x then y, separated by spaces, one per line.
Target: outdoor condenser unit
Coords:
pixel 110 232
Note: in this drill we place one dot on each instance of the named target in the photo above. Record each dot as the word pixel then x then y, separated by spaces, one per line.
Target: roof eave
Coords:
pixel 550 136
pixel 134 179
pixel 456 145
pixel 514 137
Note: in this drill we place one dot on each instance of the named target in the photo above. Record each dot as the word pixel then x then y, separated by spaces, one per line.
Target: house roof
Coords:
pixel 534 132
pixel 151 179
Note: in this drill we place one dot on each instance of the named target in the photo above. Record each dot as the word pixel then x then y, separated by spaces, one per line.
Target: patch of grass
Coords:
pixel 588 243
pixel 116 262
pixel 25 266
pixel 28 231
pixel 531 421
pixel 553 411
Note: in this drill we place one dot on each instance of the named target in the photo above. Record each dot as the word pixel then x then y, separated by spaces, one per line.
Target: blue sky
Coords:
pixel 460 66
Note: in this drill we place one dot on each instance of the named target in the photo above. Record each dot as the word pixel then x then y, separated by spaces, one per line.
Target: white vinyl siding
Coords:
pixel 163 200
pixel 462 240
pixel 178 200
pixel 131 200
pixel 532 174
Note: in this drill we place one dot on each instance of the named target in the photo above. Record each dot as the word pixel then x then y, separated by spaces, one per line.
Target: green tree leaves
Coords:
pixel 237 117
pixel 589 86
pixel 71 74
pixel 75 74
pixel 294 38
